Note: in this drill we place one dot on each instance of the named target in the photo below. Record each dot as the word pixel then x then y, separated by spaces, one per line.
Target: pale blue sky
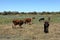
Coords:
pixel 29 5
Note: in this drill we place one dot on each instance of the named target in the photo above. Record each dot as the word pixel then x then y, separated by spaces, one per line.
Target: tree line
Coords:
pixel 14 13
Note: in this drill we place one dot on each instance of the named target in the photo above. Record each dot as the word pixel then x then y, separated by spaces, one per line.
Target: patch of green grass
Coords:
pixel 5 19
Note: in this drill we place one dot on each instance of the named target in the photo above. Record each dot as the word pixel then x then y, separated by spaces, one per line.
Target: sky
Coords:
pixel 29 5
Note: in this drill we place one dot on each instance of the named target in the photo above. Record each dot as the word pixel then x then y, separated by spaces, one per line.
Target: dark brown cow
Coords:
pixel 27 20
pixel 18 22
pixel 46 26
pixel 41 19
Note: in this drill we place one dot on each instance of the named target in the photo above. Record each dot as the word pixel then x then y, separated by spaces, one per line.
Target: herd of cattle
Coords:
pixel 21 22
pixel 29 20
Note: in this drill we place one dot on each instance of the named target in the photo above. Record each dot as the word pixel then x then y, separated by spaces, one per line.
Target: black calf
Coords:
pixel 41 19
pixel 46 26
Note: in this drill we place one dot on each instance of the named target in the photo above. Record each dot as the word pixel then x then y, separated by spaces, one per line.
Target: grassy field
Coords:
pixel 29 32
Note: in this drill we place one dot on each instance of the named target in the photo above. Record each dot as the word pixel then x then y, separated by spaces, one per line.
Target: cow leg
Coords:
pixel 13 26
pixel 25 22
pixel 20 26
pixel 30 23
pixel 46 29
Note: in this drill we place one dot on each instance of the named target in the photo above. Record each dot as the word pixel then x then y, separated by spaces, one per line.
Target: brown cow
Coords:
pixel 27 20
pixel 17 22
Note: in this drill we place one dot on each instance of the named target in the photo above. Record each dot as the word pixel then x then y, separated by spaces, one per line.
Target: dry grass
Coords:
pixel 30 32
